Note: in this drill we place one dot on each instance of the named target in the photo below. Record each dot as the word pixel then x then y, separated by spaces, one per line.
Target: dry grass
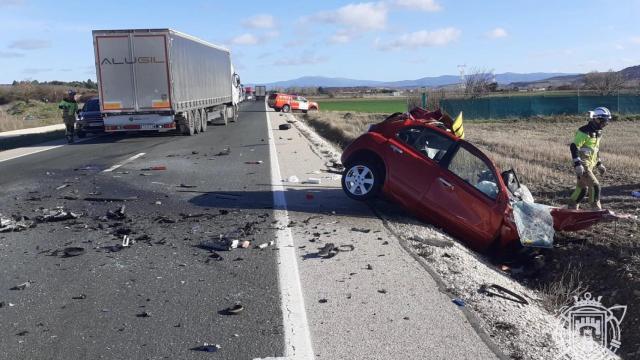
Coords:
pixel 21 115
pixel 561 291
pixel 341 127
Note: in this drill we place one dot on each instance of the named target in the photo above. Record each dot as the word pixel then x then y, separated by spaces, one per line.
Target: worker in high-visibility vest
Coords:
pixel 585 154
pixel 69 107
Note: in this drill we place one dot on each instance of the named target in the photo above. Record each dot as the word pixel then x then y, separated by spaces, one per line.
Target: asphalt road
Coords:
pixel 165 295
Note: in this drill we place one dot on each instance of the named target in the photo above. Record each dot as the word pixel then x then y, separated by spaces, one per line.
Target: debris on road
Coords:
pixel 323 301
pixel 265 245
pixel 155 168
pixel 293 179
pixel 207 348
pixel 111 199
pixel 126 241
pixel 382 291
pixel 224 152
pixel 362 230
pixel 284 126
pixel 233 310
pixel 79 297
pixel 253 162
pixel 62 186
pixel 143 314
pixel 635 194
pixel 117 214
pixel 57 214
pixel 22 286
pixel 327 251
pixel 458 302
pixel 313 181
pixel 502 292
pixel 369 267
pixel 185 186
pixel 73 251
pixel 16 224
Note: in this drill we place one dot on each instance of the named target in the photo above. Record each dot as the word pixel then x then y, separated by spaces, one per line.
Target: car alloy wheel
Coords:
pixel 286 108
pixel 359 180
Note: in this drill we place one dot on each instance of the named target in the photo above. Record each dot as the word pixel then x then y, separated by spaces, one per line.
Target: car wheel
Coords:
pixel 362 180
pixel 286 108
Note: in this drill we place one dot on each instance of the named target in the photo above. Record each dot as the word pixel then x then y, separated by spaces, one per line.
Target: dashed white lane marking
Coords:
pixel 124 162
pixel 297 338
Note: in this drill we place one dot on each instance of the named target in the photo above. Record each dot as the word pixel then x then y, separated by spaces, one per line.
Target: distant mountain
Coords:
pixel 435 81
pixel 630 74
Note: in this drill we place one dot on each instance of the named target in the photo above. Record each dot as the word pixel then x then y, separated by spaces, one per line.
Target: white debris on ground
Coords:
pixel 520 331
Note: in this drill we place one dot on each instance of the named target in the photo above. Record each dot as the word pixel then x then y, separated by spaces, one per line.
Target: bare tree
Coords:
pixel 606 83
pixel 478 82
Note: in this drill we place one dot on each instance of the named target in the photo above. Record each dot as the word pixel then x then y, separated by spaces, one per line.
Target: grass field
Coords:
pixel 21 115
pixel 364 105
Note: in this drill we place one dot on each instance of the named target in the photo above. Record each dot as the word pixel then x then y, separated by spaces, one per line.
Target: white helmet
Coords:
pixel 601 113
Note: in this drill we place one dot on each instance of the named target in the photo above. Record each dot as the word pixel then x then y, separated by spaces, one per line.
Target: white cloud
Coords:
pixel 306 58
pixel 10 54
pixel 497 33
pixel 361 16
pixel 422 5
pixel 422 38
pixel 635 40
pixel 245 39
pixel 342 37
pixel 262 21
pixel 619 47
pixel 33 71
pixel 30 44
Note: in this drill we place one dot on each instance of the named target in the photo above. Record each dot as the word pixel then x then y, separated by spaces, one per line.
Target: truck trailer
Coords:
pixel 163 80
pixel 260 92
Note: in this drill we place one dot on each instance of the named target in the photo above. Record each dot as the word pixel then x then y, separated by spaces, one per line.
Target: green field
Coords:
pixel 387 106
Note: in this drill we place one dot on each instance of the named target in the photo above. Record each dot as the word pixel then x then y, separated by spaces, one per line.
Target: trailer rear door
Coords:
pixel 133 72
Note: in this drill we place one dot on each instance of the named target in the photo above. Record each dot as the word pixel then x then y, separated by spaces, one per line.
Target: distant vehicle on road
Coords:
pixel 248 93
pixel 260 92
pixel 163 80
pixel 287 103
pixel 89 119
pixel 415 160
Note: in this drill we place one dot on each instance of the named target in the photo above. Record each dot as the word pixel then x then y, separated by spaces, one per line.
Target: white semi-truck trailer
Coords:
pixel 163 80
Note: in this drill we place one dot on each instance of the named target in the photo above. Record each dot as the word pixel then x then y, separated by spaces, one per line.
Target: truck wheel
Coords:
pixel 225 118
pixel 234 118
pixel 286 108
pixel 189 127
pixel 204 121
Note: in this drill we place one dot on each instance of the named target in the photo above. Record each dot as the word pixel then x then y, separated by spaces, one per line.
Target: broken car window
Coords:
pixel 426 141
pixel 475 171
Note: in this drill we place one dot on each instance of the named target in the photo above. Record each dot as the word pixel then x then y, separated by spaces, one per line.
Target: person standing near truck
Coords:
pixel 585 154
pixel 69 107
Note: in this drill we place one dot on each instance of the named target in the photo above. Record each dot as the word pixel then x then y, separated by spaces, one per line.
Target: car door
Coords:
pixel 465 197
pixel 294 103
pixel 412 167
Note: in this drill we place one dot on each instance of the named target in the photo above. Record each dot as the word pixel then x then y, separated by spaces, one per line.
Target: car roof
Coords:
pixel 399 121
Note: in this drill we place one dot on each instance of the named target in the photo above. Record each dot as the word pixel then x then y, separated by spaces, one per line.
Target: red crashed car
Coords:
pixel 416 160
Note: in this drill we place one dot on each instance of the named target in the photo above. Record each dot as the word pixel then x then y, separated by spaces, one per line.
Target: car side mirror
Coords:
pixel 511 180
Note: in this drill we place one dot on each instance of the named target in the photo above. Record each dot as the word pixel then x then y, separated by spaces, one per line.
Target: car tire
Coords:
pixel 362 179
pixel 276 109
pixel 286 108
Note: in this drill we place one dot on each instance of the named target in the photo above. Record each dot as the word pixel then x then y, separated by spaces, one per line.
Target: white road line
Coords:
pixel 124 162
pixel 35 149
pixel 297 338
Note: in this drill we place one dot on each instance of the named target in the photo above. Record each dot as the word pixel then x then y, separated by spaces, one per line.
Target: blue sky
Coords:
pixel 380 40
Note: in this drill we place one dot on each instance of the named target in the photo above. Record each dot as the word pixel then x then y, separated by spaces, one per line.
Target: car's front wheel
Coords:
pixel 362 180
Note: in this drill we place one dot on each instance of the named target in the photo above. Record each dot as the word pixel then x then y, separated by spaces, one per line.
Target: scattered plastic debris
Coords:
pixel 79 297
pixel 458 302
pixel 207 348
pixel 111 199
pixel 313 181
pixel 22 286
pixel 502 292
pixel 143 314
pixel 15 224
pixel 234 310
pixel 284 126
pixel 62 186
pixel 126 241
pixel 253 162
pixel 293 179
pixel 635 194
pixel 117 214
pixel 185 186
pixel 57 214
pixel 155 168
pixel 323 301
pixel 366 231
pixel 382 291
pixel 224 152
pixel 73 251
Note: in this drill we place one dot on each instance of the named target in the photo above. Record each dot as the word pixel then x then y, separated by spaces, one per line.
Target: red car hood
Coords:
pixel 574 220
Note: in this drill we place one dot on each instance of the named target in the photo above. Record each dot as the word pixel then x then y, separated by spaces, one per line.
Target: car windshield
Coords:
pixel 92 105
